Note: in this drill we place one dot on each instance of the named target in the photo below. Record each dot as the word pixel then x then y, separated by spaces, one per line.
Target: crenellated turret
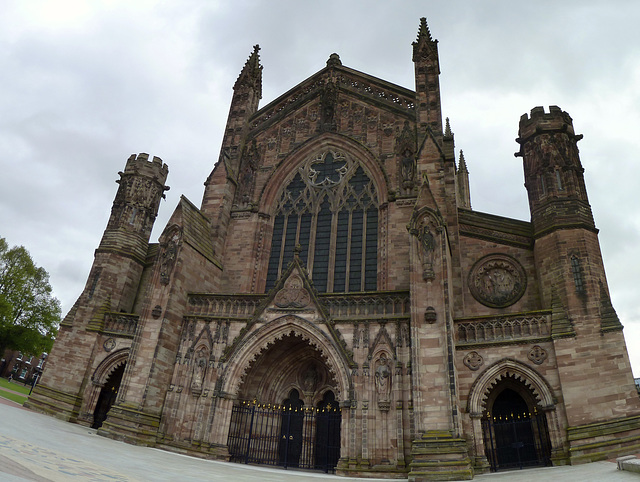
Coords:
pixel 112 287
pixel 571 277
pixel 135 207
pixel 427 71
pixel 134 210
pixel 553 173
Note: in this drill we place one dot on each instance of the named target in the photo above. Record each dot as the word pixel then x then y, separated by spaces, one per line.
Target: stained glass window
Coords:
pixel 329 208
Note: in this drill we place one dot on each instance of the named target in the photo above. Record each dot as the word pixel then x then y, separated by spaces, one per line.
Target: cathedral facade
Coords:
pixel 335 304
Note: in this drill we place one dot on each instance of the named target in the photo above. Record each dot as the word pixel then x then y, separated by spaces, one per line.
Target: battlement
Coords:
pixel 141 166
pixel 556 120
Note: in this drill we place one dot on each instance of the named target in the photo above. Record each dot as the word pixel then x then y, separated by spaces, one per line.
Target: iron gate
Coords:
pixel 516 442
pixel 269 434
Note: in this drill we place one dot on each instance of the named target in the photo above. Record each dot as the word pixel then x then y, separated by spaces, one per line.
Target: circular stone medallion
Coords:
pixel 473 360
pixel 109 344
pixel 497 280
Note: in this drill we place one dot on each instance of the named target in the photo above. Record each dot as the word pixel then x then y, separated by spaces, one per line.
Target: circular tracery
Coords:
pixel 330 208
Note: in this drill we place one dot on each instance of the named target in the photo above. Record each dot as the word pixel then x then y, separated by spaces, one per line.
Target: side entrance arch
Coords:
pixel 514 430
pixel 107 396
pixel 510 402
pixel 106 382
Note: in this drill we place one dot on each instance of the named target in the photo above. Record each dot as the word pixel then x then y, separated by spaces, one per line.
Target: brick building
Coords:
pixel 20 367
pixel 335 303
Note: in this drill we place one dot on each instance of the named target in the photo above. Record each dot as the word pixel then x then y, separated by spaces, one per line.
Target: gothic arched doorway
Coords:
pixel 291 425
pixel 327 446
pixel 107 396
pixel 515 432
pixel 282 416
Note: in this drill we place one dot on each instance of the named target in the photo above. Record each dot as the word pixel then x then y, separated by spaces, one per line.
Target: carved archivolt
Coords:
pixel 271 333
pixel 108 365
pixel 505 368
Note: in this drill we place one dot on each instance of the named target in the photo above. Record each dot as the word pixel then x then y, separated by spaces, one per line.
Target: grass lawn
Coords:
pixel 12 396
pixel 15 386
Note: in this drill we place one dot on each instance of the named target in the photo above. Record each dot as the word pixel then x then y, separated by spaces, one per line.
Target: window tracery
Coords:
pixel 330 208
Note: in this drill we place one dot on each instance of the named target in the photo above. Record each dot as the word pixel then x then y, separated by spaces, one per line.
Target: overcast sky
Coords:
pixel 84 84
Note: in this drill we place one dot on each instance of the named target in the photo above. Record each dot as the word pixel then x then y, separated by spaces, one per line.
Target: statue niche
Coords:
pixel 328 102
pixel 169 255
pixel 382 380
pixel 427 249
pixel 199 370
pixel 406 153
pixel 247 177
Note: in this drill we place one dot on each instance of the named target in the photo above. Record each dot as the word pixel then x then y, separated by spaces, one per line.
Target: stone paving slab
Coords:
pixel 35 447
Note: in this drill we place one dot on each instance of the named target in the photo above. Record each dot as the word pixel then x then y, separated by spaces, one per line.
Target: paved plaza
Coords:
pixel 34 447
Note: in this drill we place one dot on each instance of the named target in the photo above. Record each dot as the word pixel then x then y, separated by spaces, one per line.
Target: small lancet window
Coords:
pixel 543 185
pixel 576 270
pixel 559 181
pixel 134 213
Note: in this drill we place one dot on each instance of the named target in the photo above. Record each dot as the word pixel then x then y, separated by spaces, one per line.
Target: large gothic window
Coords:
pixel 329 208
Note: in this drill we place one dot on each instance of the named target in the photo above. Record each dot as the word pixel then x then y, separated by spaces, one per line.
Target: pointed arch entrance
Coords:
pixel 287 413
pixel 514 430
pixel 108 395
pixel 327 432
pixel 509 404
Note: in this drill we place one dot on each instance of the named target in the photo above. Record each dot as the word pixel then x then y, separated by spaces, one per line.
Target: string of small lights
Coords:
pixel 330 408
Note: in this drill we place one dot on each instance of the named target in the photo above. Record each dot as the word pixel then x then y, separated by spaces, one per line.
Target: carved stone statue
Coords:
pixel 247 174
pixel 310 379
pixel 427 248
pixel 199 368
pixel 328 102
pixel 405 150
pixel 169 257
pixel 408 164
pixel 382 380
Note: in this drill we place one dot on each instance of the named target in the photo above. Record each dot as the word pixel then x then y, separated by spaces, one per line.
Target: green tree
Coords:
pixel 29 314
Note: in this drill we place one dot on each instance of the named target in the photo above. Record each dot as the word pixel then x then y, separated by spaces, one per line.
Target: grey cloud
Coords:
pixel 158 78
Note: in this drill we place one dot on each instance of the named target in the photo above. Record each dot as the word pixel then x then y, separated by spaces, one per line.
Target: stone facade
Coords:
pixel 335 266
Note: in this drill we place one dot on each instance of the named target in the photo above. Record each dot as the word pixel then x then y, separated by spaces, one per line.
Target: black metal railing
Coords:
pixel 307 438
pixel 515 442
